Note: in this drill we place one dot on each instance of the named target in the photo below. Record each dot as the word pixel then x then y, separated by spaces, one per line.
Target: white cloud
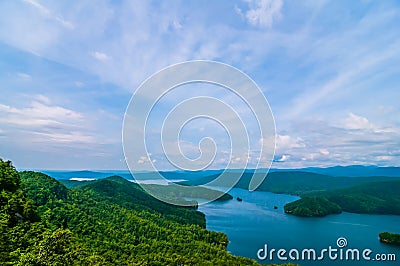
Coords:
pixel 358 122
pixel 43 127
pixel 334 143
pixel 310 156
pixel 284 142
pixel 101 56
pixel 39 114
pixel 146 160
pixel 263 13
pixel 384 158
pixel 284 158
pixel 324 151
pixel 142 160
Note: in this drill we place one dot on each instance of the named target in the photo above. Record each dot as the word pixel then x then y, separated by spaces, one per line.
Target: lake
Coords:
pixel 254 222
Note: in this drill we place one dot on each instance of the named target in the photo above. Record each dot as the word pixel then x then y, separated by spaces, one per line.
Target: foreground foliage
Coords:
pixel 107 222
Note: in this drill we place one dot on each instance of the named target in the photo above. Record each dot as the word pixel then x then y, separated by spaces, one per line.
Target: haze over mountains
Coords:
pixel 338 171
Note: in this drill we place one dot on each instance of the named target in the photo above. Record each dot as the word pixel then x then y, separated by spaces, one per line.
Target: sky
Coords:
pixel 330 71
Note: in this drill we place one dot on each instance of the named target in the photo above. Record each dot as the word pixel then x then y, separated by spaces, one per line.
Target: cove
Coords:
pixel 259 220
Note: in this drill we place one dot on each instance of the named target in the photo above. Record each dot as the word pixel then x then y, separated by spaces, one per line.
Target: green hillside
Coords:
pixel 312 207
pixel 107 222
pixel 166 190
pixel 371 198
pixel 192 193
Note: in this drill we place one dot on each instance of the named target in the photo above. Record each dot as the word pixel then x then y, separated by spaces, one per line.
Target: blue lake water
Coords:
pixel 254 222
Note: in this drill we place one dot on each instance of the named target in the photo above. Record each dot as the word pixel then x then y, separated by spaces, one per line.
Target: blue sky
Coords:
pixel 329 69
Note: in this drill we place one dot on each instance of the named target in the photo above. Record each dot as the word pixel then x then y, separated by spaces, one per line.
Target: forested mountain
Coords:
pixel 107 222
pixel 296 182
pixel 356 171
pixel 374 198
pixel 201 193
pixel 371 198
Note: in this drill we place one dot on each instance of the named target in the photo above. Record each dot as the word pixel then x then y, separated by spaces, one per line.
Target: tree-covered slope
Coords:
pixel 371 198
pixel 312 207
pixel 17 212
pixel 107 222
pixel 375 197
pixel 117 190
pixel 202 193
pixel 169 191
pixel 42 189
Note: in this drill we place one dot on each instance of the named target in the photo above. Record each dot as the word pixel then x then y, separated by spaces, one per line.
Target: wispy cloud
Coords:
pixel 351 58
pixel 24 76
pixel 63 136
pixel 263 13
pixel 39 114
pixel 46 12
pixel 358 122
pixel 73 137
pixel 349 140
pixel 101 56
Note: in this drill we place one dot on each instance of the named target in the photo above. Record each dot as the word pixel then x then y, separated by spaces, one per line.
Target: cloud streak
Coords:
pixel 47 13
pixel 101 56
pixel 263 13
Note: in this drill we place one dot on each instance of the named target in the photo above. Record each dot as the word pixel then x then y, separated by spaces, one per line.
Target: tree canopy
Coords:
pixel 106 222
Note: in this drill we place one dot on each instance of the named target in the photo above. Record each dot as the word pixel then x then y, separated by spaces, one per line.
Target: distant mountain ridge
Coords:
pixel 337 171
pixel 356 171
pixel 294 182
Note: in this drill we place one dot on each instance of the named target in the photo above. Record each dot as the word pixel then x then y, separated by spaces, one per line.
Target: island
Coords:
pixel 390 238
pixel 312 207
pixel 364 194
